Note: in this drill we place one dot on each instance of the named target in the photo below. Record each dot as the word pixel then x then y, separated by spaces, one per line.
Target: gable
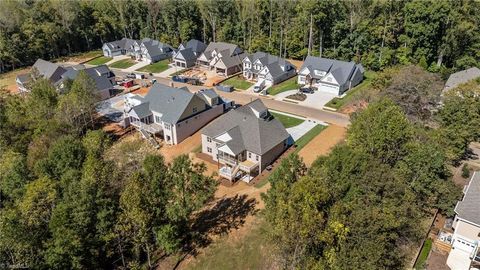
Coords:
pixel 304 71
pixel 195 106
pixel 329 78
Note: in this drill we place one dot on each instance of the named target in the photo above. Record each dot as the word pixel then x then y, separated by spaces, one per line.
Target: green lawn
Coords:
pixel 156 67
pixel 99 60
pixel 287 121
pixel 251 251
pixel 300 143
pixel 290 84
pixel 422 258
pixel 337 103
pixel 238 83
pixel 124 63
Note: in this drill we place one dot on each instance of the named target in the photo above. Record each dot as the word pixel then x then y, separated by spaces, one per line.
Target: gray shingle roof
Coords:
pixel 222 46
pixel 274 63
pixel 24 78
pixel 341 70
pixel 258 135
pixel 49 70
pixel 196 45
pixel 461 77
pixel 101 75
pixel 155 47
pixel 469 207
pixel 187 54
pixel 122 44
pixel 142 110
pixel 168 101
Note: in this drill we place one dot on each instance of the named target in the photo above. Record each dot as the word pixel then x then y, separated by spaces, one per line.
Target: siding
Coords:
pixel 269 157
pixel 183 130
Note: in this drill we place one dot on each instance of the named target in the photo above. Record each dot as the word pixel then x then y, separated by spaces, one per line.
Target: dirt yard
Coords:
pixel 170 152
pixel 322 144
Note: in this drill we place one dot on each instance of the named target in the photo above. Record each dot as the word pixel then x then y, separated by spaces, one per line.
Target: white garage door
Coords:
pixel 328 88
pixel 464 245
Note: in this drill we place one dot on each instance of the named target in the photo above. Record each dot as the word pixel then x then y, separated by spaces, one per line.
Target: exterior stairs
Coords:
pixel 149 138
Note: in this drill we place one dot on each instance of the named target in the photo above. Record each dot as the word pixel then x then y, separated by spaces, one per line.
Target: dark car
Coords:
pixel 131 76
pixel 307 90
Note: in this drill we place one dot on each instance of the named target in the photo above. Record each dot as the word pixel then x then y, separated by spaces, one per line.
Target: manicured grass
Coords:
pixel 290 84
pixel 251 251
pixel 337 103
pixel 124 63
pixel 180 72
pixel 156 67
pixel 422 258
pixel 99 60
pixel 312 133
pixel 238 83
pixel 287 121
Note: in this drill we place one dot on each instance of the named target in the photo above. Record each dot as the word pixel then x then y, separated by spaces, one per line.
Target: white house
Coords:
pixel 465 251
pixel 151 51
pixel 174 114
pixel 329 75
pixel 272 69
pixel 224 58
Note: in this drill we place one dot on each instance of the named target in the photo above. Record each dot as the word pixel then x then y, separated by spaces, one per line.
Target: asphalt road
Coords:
pixel 243 98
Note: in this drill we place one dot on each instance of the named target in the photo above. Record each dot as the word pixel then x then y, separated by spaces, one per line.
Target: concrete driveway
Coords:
pixel 111 108
pixel 298 131
pixel 316 100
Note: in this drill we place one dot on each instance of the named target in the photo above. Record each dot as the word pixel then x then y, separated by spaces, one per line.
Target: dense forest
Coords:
pixel 65 205
pixel 435 34
pixel 364 206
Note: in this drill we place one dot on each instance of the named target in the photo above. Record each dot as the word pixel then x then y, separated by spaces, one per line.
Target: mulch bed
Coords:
pixel 297 96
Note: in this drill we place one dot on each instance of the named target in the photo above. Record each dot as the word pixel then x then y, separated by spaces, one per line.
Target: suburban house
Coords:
pixel 465 251
pixel 329 75
pixel 118 47
pixel 187 53
pixel 151 51
pixel 462 77
pixel 102 76
pixel 41 68
pixel 244 141
pixel 224 58
pixel 172 113
pixel 271 69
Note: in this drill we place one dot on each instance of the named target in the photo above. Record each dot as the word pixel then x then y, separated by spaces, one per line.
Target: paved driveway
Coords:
pixel 316 100
pixel 298 131
pixel 111 108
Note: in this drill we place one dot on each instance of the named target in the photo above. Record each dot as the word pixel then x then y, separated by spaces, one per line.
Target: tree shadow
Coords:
pixel 227 214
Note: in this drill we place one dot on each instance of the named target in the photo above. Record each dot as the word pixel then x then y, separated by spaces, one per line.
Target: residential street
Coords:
pixel 243 98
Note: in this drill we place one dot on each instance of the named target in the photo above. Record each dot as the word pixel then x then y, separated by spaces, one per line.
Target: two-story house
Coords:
pixel 151 51
pixel 329 75
pixel 102 76
pixel 269 68
pixel 244 141
pixel 173 114
pixel 187 53
pixel 224 58
pixel 465 251
pixel 118 47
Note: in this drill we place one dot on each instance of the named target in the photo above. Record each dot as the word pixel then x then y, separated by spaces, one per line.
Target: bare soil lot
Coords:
pixel 322 144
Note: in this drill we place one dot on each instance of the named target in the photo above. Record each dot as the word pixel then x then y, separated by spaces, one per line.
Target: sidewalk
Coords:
pixel 168 72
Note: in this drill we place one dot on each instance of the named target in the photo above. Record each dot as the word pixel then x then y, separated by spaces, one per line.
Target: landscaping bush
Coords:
pixel 465 171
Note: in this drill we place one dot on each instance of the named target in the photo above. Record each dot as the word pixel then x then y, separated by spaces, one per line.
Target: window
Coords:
pixel 157 119
pixel 194 109
pixel 209 150
pixel 167 126
pixel 256 158
pixel 249 155
pixel 209 139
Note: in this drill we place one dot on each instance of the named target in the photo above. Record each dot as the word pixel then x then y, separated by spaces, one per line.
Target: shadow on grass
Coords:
pixel 225 215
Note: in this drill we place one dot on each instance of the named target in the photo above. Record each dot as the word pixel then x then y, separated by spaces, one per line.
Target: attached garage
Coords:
pixel 328 88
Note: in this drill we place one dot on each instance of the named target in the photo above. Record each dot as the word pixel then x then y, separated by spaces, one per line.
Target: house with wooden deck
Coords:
pixel 172 114
pixel 244 141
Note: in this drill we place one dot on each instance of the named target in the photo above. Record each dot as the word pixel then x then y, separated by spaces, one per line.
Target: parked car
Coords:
pixel 131 76
pixel 259 86
pixel 307 90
